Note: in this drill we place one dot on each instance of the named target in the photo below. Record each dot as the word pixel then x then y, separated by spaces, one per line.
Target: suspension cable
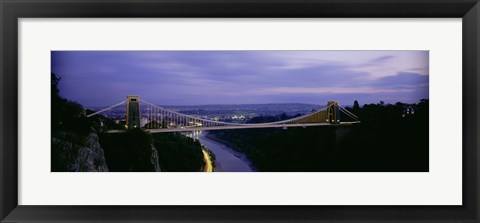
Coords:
pixel 106 109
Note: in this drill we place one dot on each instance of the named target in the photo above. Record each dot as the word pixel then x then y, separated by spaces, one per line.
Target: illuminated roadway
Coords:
pixel 208 163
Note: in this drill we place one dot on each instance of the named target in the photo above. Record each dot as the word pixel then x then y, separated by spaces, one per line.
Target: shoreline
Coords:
pixel 230 148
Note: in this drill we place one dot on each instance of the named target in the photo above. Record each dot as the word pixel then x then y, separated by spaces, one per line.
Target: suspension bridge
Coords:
pixel 160 119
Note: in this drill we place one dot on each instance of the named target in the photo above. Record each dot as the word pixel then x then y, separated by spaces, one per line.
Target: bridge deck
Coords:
pixel 253 126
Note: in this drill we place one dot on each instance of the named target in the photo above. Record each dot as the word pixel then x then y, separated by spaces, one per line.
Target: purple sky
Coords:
pixel 101 78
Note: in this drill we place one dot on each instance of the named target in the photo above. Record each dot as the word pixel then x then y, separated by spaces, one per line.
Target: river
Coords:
pixel 226 159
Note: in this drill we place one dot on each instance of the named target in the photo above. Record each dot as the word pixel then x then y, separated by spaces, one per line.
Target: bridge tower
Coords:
pixel 333 112
pixel 133 112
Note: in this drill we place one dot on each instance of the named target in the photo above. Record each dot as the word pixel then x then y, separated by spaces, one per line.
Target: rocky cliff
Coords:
pixel 72 153
pixel 155 159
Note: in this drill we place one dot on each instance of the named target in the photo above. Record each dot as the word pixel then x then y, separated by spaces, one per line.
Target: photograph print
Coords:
pixel 240 111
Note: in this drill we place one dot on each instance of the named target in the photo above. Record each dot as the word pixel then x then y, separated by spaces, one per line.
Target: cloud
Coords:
pixel 395 62
pixel 382 59
pixel 403 79
pixel 327 90
pixel 196 77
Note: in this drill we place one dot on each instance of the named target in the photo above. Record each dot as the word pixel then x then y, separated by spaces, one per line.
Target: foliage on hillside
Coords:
pixel 131 151
pixel 178 153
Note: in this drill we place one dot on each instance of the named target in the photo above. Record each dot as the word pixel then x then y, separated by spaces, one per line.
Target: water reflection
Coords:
pixel 226 159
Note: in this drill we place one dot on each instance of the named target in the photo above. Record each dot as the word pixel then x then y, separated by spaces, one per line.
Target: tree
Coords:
pixel 356 106
pixel 54 86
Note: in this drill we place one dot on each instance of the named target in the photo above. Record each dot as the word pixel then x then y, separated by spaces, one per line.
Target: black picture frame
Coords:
pixel 12 10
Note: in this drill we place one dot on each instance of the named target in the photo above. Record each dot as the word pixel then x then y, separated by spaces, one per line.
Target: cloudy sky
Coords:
pixel 101 78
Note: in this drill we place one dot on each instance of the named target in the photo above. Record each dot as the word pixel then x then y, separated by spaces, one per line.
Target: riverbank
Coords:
pixel 228 147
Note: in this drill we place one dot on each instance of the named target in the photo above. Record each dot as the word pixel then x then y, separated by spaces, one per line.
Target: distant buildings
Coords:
pixel 408 110
pixel 143 121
